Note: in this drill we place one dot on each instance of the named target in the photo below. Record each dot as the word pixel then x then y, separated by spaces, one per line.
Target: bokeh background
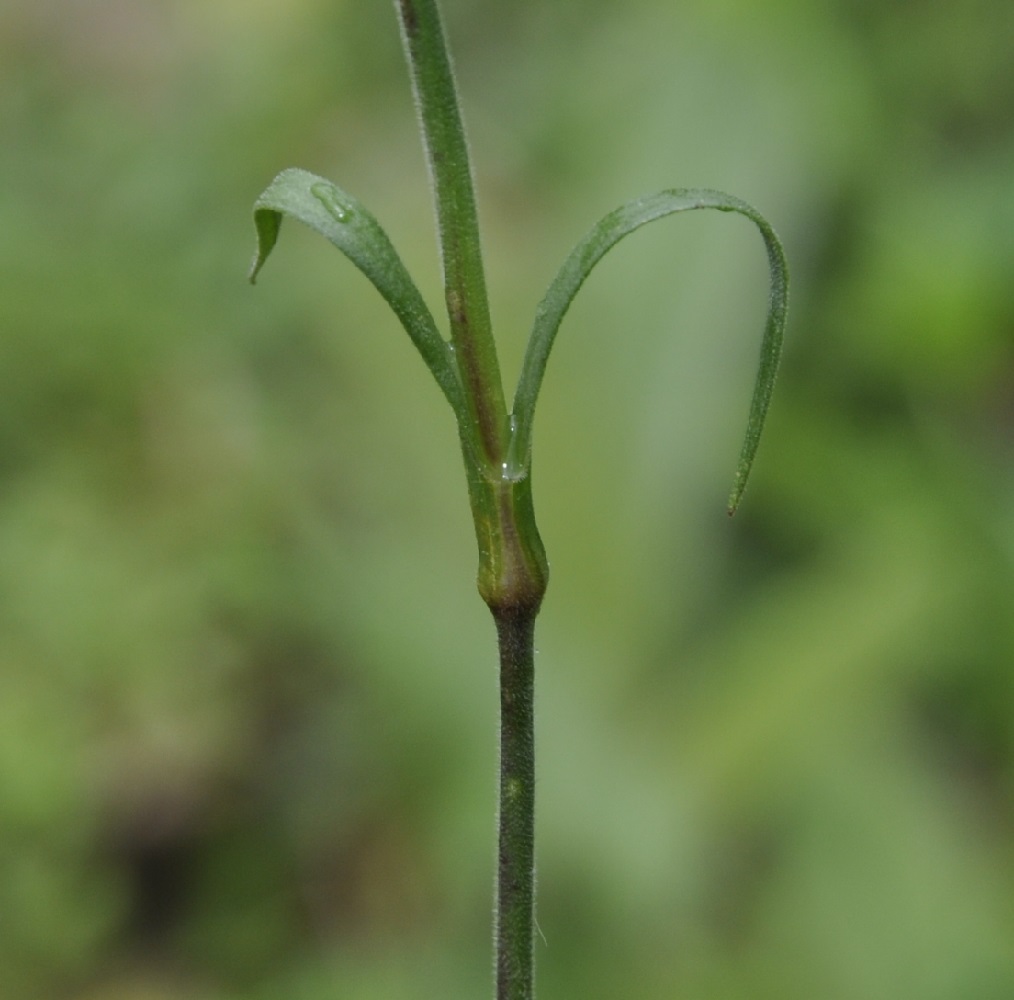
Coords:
pixel 247 690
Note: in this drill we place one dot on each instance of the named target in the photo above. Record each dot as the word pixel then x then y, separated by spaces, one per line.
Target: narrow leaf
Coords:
pixel 443 135
pixel 345 222
pixel 609 231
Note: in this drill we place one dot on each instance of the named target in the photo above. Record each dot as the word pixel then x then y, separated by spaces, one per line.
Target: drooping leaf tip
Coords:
pixel 735 497
pixel 267 223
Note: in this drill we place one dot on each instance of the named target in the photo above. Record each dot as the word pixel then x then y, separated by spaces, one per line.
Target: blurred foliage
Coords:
pixel 247 691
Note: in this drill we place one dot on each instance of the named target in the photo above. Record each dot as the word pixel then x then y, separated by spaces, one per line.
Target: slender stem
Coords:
pixel 512 562
pixel 515 904
pixel 458 224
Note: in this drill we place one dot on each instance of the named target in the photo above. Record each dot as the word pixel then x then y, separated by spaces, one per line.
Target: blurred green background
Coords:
pixel 247 690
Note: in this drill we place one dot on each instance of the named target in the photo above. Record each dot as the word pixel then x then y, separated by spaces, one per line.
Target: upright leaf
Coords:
pixel 465 295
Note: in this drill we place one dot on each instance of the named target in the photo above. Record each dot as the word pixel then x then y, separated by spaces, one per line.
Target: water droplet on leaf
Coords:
pixel 330 197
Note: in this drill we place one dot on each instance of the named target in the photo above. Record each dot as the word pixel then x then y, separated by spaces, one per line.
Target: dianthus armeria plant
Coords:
pixel 496 441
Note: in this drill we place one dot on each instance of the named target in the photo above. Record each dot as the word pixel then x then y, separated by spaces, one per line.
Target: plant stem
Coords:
pixel 512 562
pixel 513 573
pixel 515 904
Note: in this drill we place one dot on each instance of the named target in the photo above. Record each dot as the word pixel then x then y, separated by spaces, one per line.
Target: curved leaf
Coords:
pixel 590 251
pixel 345 222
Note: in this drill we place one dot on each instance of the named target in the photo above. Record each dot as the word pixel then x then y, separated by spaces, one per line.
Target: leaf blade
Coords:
pixel 346 223
pixel 579 264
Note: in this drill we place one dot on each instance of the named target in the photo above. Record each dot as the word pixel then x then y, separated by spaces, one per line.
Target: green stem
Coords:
pixel 515 904
pixel 458 225
pixel 512 562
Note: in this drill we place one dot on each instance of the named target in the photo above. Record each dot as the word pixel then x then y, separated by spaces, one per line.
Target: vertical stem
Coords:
pixel 515 903
pixel 512 562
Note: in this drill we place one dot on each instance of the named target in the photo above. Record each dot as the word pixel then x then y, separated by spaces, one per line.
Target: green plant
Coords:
pixel 496 443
